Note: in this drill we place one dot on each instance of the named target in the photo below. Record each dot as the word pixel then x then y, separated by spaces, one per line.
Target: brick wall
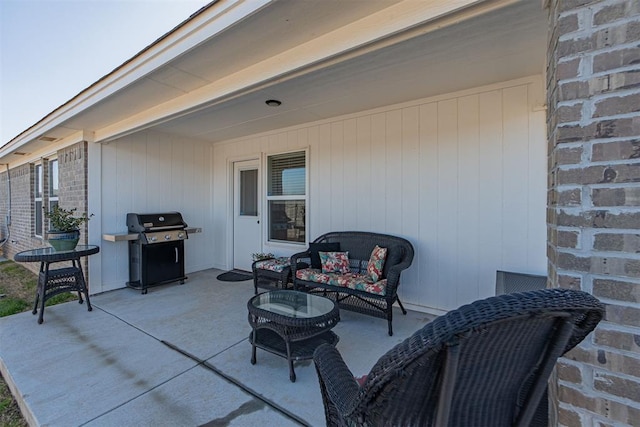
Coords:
pixel 593 96
pixel 72 177
pixel 22 225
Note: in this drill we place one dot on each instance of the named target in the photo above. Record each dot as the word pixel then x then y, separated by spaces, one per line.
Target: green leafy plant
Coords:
pixel 64 219
pixel 261 255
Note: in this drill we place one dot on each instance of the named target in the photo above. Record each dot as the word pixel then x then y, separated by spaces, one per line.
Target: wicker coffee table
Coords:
pixel 291 324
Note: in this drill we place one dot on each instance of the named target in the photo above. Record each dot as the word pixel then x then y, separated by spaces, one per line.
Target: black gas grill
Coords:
pixel 157 255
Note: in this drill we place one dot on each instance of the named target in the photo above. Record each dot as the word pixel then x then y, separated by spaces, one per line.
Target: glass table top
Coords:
pixel 293 304
pixel 51 254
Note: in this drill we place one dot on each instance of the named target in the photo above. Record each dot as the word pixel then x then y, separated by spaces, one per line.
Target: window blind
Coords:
pixel 287 174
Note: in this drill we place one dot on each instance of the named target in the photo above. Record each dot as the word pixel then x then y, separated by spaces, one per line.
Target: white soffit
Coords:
pixel 319 52
pixel 482 50
pixel 204 78
pixel 280 27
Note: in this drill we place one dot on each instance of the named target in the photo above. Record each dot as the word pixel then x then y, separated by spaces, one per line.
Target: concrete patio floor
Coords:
pixel 178 356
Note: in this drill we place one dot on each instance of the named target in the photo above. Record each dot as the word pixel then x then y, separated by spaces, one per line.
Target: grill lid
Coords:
pixel 140 223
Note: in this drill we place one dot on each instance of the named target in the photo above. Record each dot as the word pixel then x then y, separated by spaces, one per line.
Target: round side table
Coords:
pixel 52 282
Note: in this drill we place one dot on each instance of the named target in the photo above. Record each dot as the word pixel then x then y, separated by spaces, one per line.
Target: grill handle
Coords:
pixel 168 227
pixel 176 250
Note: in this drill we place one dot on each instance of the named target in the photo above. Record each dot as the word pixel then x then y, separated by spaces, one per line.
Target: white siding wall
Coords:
pixel 154 172
pixel 462 176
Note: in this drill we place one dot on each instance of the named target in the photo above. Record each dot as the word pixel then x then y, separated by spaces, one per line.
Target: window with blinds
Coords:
pixel 286 196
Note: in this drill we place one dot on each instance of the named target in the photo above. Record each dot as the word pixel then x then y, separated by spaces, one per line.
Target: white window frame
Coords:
pixel 298 197
pixel 38 199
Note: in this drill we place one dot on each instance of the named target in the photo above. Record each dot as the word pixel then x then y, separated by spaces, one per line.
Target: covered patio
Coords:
pixel 179 355
pixel 492 134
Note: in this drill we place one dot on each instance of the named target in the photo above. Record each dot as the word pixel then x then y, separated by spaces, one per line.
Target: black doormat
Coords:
pixel 235 276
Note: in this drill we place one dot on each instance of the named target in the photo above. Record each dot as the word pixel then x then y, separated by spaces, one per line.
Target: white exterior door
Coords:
pixel 247 229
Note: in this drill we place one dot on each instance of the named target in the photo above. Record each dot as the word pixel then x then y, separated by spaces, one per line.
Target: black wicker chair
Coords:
pixel 484 364
pixel 508 282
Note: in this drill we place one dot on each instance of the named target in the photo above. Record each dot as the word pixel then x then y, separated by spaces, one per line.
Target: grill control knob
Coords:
pixel 153 238
pixel 181 235
pixel 167 237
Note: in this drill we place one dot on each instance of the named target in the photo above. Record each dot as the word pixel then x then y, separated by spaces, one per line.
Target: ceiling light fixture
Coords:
pixel 273 102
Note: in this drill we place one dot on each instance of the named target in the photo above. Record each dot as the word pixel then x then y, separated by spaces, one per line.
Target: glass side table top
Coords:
pixel 293 304
pixel 50 254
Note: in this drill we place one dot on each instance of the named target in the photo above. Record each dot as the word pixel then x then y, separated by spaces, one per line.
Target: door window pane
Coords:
pixel 249 192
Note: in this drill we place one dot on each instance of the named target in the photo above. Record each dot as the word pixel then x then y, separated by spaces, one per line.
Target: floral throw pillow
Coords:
pixel 376 263
pixel 315 248
pixel 334 262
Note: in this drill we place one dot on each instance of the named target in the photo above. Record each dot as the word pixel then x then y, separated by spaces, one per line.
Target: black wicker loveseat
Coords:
pixel 354 290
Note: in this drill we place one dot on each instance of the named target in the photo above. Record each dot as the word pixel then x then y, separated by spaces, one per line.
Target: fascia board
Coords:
pixel 369 33
pixel 207 24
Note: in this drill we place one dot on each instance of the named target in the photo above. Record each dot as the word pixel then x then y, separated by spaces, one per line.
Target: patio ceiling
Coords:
pixel 204 92
pixel 484 50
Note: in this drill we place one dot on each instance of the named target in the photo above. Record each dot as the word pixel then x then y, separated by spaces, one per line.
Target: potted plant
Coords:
pixel 65 227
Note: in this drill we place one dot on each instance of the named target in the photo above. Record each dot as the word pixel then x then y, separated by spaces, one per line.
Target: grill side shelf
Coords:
pixel 120 237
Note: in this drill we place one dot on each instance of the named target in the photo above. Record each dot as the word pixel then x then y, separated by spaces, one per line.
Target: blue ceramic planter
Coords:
pixel 63 240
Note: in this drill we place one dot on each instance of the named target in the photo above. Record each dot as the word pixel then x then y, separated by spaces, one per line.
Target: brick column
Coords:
pixel 72 163
pixel 593 216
